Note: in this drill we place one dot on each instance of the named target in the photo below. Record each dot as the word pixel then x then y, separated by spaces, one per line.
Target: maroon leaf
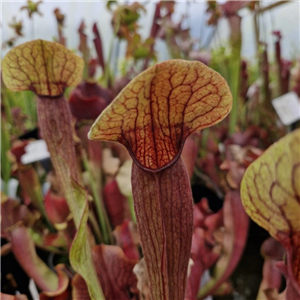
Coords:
pixel 79 288
pixel 125 240
pixel 24 251
pixel 83 48
pixel 12 212
pixel 205 251
pixel 115 203
pixel 18 149
pixel 88 100
pixel 189 155
pixel 56 207
pixel 236 224
pixel 203 257
pixel 98 46
pixel 114 271
pixel 273 252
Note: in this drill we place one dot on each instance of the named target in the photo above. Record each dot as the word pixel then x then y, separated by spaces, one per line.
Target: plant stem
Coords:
pixel 101 212
pixel 55 124
pixel 95 226
pixel 131 207
pixel 271 6
pixel 234 67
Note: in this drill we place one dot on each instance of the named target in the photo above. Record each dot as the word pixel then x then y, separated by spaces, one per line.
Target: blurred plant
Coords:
pixel 32 8
pixel 60 18
pixel 17 26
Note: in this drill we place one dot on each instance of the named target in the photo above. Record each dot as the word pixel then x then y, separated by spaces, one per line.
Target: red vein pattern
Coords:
pixel 46 68
pixel 158 109
pixel 164 211
pixel 271 195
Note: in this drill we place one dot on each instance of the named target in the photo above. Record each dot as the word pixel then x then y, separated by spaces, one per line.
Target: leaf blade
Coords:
pixel 158 109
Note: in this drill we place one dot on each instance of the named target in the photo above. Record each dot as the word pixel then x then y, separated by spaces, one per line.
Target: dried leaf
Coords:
pixel 140 270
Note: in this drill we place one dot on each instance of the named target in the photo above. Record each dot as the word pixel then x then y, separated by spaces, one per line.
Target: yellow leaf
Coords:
pixel 270 187
pixel 271 195
pixel 44 67
pixel 160 108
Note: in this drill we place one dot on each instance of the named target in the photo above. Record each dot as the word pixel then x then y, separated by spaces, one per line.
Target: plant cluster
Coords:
pixel 151 174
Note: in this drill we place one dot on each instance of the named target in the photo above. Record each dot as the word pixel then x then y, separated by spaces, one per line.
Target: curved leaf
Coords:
pixel 81 251
pixel 271 196
pixel 62 292
pixel 23 248
pixel 158 109
pixel 236 224
pixel 44 67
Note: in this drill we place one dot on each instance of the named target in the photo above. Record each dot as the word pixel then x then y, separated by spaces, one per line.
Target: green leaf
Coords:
pixel 81 252
pixel 5 146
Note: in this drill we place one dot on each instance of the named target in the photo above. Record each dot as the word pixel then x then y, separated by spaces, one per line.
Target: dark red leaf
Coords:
pixel 115 273
pixel 24 251
pixel 88 100
pixel 125 240
pixel 98 46
pixel 115 203
pixel 12 212
pixel 236 224
pixel 189 155
pixel 56 207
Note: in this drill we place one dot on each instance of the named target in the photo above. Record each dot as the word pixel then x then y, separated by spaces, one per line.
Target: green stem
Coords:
pixel 30 108
pixel 4 187
pixel 271 6
pixel 101 212
pixel 131 207
pixel 234 85
pixel 95 226
pixel 234 68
